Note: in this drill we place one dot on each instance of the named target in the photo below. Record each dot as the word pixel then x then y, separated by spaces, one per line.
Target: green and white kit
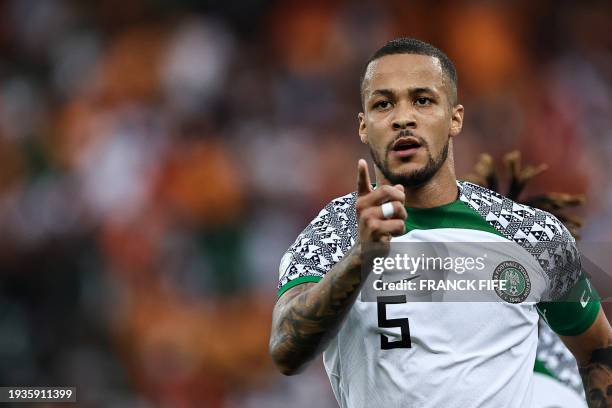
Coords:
pixel 394 353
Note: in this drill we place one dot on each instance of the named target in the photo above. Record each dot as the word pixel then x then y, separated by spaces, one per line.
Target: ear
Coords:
pixel 363 133
pixel 456 120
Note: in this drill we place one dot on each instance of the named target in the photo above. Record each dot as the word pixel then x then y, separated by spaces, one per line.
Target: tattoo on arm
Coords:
pixel 597 378
pixel 309 315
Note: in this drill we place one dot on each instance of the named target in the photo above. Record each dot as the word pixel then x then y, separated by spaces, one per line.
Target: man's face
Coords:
pixel 599 388
pixel 408 118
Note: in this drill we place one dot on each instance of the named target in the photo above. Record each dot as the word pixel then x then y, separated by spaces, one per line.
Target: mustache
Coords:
pixel 407 133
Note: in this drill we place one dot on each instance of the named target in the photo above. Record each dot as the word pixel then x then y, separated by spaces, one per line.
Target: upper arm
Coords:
pixel 283 302
pixel 574 312
pixel 570 305
pixel 291 293
pixel 598 335
pixel 319 246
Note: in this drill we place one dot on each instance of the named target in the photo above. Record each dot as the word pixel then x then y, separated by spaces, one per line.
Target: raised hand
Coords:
pixel 380 212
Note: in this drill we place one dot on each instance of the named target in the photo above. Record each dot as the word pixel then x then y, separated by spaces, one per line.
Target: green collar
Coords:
pixel 456 214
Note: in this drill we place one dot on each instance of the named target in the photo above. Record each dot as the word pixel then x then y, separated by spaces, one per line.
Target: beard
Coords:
pixel 414 178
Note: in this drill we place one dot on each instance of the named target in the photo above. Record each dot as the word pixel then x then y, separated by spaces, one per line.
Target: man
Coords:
pixel 599 383
pixel 438 354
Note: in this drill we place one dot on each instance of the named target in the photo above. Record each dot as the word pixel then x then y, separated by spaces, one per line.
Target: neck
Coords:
pixel 441 189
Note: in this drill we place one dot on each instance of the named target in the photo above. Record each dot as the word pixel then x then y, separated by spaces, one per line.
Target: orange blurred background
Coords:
pixel 158 157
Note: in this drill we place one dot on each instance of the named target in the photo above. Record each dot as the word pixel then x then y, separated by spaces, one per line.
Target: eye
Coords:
pixel 423 101
pixel 382 105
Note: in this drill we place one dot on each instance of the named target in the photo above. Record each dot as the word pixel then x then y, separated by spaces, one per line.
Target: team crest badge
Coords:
pixel 518 285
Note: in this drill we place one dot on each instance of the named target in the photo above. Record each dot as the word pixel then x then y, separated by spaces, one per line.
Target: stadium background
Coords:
pixel 158 157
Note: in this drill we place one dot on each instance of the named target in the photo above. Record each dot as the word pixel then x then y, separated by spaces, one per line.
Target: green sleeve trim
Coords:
pixel 575 312
pixel 539 367
pixel 298 281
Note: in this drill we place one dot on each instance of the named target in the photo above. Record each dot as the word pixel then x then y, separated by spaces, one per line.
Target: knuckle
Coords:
pixel 392 192
pixel 374 212
pixel 359 205
pixel 386 189
pixel 364 214
pixel 399 227
pixel 371 223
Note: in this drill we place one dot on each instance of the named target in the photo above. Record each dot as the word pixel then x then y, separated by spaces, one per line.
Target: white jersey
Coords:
pixel 394 353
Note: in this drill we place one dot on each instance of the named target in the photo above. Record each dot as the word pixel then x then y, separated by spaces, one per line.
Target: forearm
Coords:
pixel 593 352
pixel 596 373
pixel 303 324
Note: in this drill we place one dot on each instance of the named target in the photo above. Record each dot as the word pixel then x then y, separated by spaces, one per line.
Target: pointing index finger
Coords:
pixel 363 178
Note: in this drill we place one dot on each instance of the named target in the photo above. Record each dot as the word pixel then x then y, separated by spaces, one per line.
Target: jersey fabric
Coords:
pixel 468 354
pixel 550 393
pixel 557 381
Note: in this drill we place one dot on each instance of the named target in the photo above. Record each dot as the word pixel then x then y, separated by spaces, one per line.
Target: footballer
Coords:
pixel 393 353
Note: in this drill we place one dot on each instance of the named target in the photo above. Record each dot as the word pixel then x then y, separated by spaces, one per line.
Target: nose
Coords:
pixel 403 124
pixel 404 119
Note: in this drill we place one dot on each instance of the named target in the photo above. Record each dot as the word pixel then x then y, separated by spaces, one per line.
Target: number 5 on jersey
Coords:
pixel 383 322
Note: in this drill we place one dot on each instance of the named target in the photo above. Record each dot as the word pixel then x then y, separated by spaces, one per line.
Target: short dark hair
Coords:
pixel 407 45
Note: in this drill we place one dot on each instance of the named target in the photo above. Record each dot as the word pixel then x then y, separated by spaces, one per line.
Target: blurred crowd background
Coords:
pixel 158 157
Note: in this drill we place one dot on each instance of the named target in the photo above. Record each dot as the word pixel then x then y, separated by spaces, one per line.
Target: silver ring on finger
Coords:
pixel 387 210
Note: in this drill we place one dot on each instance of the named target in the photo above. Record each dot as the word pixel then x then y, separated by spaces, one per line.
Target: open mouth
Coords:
pixel 406 143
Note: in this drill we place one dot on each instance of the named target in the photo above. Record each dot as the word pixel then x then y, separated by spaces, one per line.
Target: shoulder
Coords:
pixel 321 244
pixel 337 215
pixel 517 222
pixel 539 232
pixel 343 204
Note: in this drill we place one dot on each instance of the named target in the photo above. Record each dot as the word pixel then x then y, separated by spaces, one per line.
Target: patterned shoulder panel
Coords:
pixel 323 243
pixel 539 232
